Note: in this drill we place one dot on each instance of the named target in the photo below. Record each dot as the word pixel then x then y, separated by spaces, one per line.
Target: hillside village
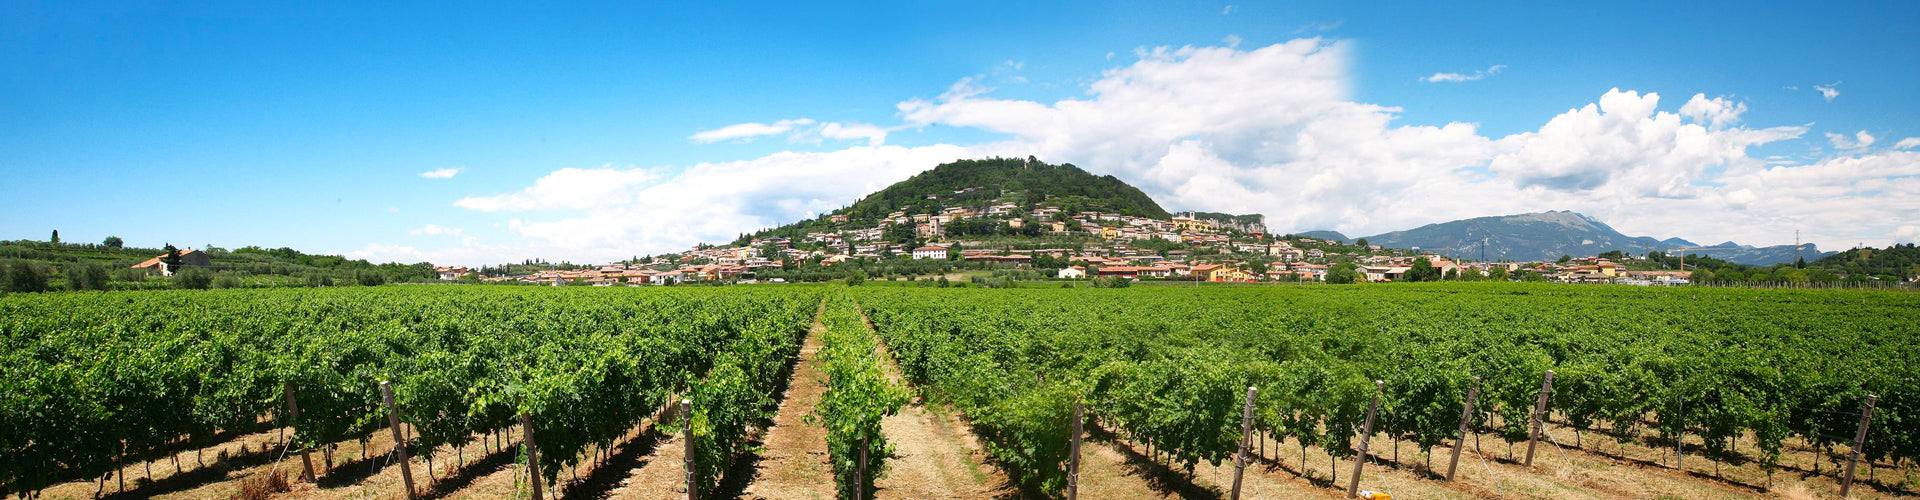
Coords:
pixel 1064 244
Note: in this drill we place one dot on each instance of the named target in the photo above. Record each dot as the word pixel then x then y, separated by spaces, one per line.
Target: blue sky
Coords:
pixel 593 132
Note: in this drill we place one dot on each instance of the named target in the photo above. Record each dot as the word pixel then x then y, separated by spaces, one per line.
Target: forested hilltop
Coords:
pixel 977 183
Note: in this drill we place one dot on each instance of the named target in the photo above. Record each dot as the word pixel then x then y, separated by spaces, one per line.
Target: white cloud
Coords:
pixel 1716 112
pixel 443 173
pixel 652 210
pixel 1622 143
pixel 1859 140
pixel 874 135
pixel 1907 143
pixel 1231 40
pixel 749 130
pixel 1464 77
pixel 1228 10
pixel 436 230
pixel 1828 91
pixel 567 188
pixel 1272 130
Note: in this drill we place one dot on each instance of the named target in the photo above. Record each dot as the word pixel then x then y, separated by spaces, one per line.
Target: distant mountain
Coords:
pixel 1548 235
pixel 1328 235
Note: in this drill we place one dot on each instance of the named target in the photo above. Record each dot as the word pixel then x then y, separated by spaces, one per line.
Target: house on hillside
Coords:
pixel 930 252
pixel 450 273
pixel 1073 273
pixel 188 258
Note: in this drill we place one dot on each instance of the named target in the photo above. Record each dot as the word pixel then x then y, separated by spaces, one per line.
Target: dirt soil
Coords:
pixel 795 463
pixel 935 455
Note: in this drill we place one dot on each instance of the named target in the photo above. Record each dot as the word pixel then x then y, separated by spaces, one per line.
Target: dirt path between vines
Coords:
pixel 935 455
pixel 795 464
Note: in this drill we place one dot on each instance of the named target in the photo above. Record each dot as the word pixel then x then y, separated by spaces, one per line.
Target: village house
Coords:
pixel 450 273
pixel 930 252
pixel 188 258
pixel 1073 272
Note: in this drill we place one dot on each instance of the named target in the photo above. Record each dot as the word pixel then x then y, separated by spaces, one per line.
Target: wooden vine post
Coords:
pixel 533 454
pixel 1246 432
pixel 1073 453
pixel 1680 438
pixel 1539 416
pixel 1859 441
pixel 293 415
pixel 1466 419
pixel 399 443
pixel 686 420
pixel 1366 432
pixel 860 480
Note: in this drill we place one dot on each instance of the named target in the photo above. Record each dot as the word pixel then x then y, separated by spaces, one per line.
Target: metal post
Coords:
pixel 1246 432
pixel 399 443
pixel 1466 418
pixel 1859 441
pixel 1073 456
pixel 1366 433
pixel 293 415
pixel 1539 416
pixel 686 418
pixel 533 455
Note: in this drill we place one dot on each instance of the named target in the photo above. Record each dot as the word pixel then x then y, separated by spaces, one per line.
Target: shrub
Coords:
pixel 24 277
pixel 228 280
pixel 193 278
pixel 87 276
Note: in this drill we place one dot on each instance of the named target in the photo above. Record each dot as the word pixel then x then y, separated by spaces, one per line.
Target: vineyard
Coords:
pixel 94 382
pixel 95 385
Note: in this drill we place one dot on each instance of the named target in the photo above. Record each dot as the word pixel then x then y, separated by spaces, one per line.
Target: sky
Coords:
pixel 476 133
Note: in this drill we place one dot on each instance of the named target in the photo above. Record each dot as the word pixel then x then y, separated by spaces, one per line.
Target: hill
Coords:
pixel 1327 235
pixel 1548 235
pixel 1896 262
pixel 980 183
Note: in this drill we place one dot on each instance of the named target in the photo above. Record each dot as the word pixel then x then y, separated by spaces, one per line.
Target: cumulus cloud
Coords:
pixel 442 173
pixel 1828 91
pixel 749 130
pixel 651 210
pixel 1272 130
pixel 1464 77
pixel 1907 143
pixel 1625 144
pixel 1716 112
pixel 1860 140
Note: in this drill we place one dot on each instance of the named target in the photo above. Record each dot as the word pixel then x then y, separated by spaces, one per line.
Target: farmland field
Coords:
pixel 1764 389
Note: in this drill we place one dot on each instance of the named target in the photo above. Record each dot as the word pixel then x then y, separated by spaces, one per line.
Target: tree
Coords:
pixel 171 259
pixel 56 237
pixel 1344 273
pixel 86 276
pixel 857 278
pixel 1362 243
pixel 193 279
pixel 24 277
pixel 1499 273
pixel 113 242
pixel 1422 271
pixel 1453 275
pixel 1564 258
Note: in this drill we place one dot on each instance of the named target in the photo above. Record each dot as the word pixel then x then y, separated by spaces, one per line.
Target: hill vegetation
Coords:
pixel 984 182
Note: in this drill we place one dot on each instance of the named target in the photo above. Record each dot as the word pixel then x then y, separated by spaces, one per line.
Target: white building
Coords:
pixel 930 252
pixel 1073 273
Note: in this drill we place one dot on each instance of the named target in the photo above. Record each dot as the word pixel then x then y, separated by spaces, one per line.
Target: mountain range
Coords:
pixel 1549 235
